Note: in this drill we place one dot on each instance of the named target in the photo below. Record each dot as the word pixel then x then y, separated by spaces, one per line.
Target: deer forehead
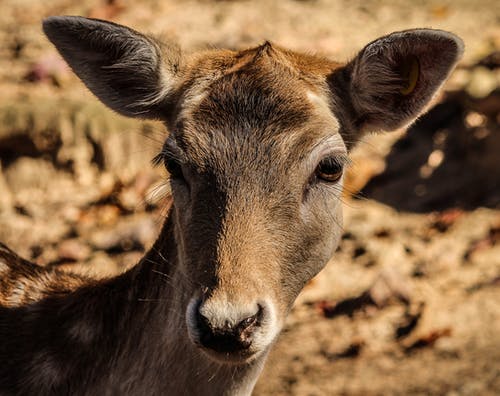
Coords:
pixel 263 104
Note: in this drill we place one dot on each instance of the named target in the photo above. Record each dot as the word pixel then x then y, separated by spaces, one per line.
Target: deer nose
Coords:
pixel 227 335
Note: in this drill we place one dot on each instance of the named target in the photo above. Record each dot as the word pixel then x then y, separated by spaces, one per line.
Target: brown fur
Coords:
pixel 24 283
pixel 250 219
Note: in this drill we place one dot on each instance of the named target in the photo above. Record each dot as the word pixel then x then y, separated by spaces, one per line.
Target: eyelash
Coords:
pixel 174 168
pixel 172 165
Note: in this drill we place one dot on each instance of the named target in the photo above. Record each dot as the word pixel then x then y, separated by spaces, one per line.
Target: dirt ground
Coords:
pixel 410 304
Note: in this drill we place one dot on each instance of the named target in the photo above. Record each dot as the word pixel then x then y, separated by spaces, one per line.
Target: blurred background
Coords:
pixel 410 304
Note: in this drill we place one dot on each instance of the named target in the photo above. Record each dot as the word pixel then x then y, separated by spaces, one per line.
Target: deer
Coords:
pixel 256 145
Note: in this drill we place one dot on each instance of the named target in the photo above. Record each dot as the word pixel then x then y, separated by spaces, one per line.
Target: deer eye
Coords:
pixel 174 168
pixel 329 170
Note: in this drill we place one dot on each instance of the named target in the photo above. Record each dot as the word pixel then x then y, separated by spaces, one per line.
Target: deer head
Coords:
pixel 257 148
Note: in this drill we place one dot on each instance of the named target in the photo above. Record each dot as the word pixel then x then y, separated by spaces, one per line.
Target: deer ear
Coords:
pixel 390 82
pixel 127 71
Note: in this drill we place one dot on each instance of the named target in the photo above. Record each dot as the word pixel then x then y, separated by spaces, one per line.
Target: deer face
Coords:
pixel 256 161
pixel 257 150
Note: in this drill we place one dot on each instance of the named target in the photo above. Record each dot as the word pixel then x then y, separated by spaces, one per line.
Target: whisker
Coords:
pixel 162 274
pixel 152 299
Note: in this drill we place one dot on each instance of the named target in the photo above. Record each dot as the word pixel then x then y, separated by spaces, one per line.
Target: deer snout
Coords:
pixel 226 334
pixel 230 331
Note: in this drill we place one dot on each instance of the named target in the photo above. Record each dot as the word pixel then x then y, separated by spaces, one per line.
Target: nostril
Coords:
pixel 251 321
pixel 222 336
pixel 247 322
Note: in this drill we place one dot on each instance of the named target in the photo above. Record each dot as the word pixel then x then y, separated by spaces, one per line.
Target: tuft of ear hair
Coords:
pixel 391 81
pixel 128 71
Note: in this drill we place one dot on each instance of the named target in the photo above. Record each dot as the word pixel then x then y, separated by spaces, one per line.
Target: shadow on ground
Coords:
pixel 449 158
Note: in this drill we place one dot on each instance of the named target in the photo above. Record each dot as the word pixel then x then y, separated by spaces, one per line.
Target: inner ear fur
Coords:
pixel 131 73
pixel 390 82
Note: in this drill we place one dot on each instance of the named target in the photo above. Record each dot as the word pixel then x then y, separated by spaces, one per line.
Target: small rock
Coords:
pixel 49 68
pixel 482 82
pixel 109 10
pixel 389 285
pixel 491 61
pixel 6 201
pixel 70 213
pixel 136 196
pixel 133 234
pixel 74 250
pixel 130 200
